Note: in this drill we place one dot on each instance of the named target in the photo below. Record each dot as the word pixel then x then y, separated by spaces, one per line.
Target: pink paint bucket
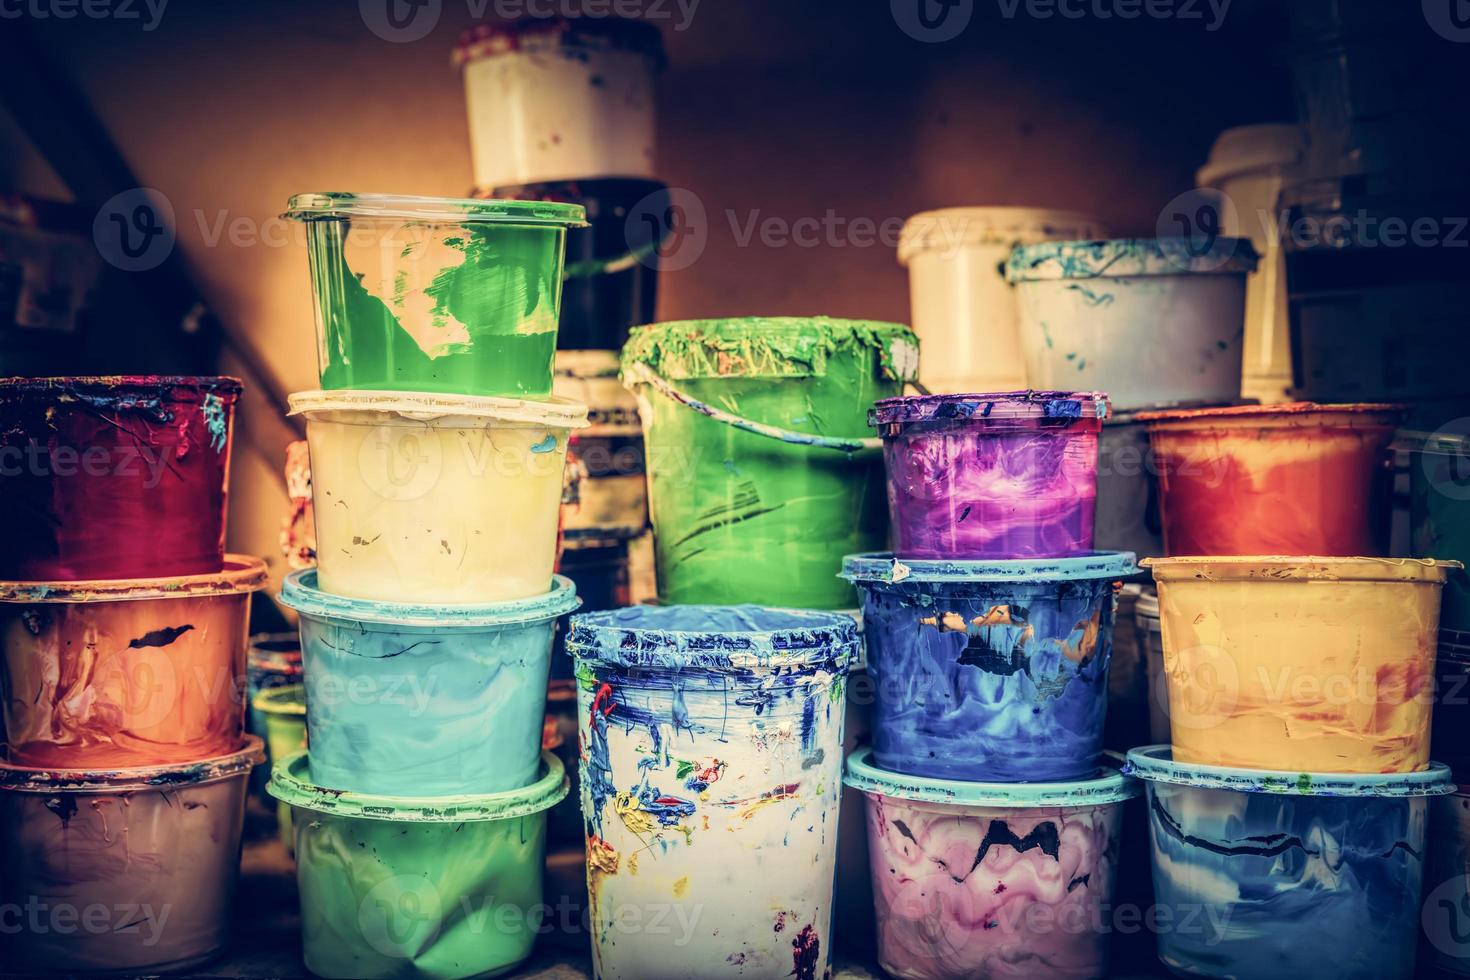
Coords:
pixel 123 869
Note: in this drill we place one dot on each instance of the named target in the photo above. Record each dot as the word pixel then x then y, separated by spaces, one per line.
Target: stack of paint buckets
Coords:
pixel 122 659
pixel 437 457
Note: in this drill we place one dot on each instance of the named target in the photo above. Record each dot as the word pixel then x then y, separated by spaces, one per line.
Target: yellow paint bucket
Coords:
pixel 1310 664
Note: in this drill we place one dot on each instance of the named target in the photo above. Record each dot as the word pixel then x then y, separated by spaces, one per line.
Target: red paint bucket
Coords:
pixel 114 477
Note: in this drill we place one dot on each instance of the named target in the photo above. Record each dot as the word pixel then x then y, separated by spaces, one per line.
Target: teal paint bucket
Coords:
pixel 408 699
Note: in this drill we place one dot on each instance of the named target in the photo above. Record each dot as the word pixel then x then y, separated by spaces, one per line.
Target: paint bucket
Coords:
pixel 599 569
pixel 611 277
pixel 1447 884
pixel 428 498
pixel 711 774
pixel 1295 479
pixel 114 478
pixel 992 879
pixel 283 710
pixel 964 311
pixel 1439 510
pixel 1149 321
pixel 424 700
pixel 1323 664
pixel 272 660
pixel 761 475
pixel 991 476
pixel 1286 874
pixel 439 888
pixel 612 496
pixel 125 673
pixel 1452 700
pixel 989 671
pixel 121 870
pixel 1150 638
pixel 1127 516
pixel 558 98
pixel 459 297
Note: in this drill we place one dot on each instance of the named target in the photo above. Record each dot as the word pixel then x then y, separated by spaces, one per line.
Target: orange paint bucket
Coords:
pixel 1294 479
pixel 128 672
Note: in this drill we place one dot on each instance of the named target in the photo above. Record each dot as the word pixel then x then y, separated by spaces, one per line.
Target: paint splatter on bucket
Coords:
pixel 1009 475
pixel 711 774
pixel 424 700
pixel 1287 874
pixel 122 673
pixel 114 478
pixel 992 879
pixel 989 671
pixel 122 870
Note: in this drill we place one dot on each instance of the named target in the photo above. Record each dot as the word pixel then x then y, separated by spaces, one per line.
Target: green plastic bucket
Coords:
pixel 283 712
pixel 762 470
pixel 433 294
pixel 395 887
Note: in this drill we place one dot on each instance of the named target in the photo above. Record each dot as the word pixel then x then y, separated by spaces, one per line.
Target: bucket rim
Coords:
pixel 1439 443
pixel 300 592
pixel 1283 411
pixel 222 385
pixel 993 225
pixel 1117 258
pixel 1290 568
pixel 826 639
pixel 982 406
pixel 423 406
pixel 240 574
pixel 173 776
pixel 627 34
pixel 274 700
pixel 886 568
pixel 1155 764
pixel 291 784
pixel 339 205
pixel 1108 785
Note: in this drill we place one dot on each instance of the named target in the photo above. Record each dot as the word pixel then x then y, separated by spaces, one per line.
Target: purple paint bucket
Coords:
pixel 1011 475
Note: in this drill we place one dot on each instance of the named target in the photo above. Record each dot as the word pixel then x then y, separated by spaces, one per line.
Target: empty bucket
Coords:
pixel 992 879
pixel 397 887
pixel 762 473
pixel 114 478
pixel 126 673
pixel 1439 510
pixel 1286 874
pixel 1149 321
pixel 424 700
pixel 1009 475
pixel 1320 664
pixel 432 498
pixel 711 775
pixel 989 671
pixel 434 293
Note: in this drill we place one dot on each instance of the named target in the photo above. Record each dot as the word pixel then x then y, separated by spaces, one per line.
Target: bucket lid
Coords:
pixel 990 405
pixel 241 573
pixel 335 205
pixel 1285 413
pixel 291 783
pixel 288 699
pixel 299 591
pixel 418 406
pixel 1108 786
pixel 30 779
pixel 714 637
pixel 882 567
pixel 116 388
pixel 1286 568
pixel 1441 443
pixel 768 347
pixel 1155 763
pixel 1123 257
pixel 953 228
pixel 1249 149
pixel 587 33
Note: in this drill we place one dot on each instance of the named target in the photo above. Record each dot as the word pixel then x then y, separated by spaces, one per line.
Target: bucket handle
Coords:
pixel 643 374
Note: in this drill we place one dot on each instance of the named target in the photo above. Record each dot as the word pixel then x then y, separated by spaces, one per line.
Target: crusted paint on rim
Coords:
pixel 241 573
pixel 1285 413
pixel 30 779
pixel 417 406
pixel 989 405
pixel 339 205
pixel 715 638
pixel 299 591
pixel 1288 568
pixel 1155 763
pixel 884 568
pixel 1110 785
pixel 1129 257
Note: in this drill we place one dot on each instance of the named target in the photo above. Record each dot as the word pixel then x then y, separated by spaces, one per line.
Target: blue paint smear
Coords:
pixel 214 421
pixel 545 445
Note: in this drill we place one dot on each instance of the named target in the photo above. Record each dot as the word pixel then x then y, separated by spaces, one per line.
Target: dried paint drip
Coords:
pixel 711 772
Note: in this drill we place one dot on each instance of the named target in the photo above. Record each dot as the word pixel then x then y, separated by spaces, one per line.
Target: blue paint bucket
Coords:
pixel 408 699
pixel 1286 874
pixel 989 671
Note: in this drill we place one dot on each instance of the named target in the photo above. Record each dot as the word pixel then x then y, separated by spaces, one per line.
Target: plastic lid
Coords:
pixel 1249 149
pixel 714 637
pixel 990 405
pixel 1108 786
pixel 1121 257
pixel 28 779
pixel 598 33
pixel 336 204
pixel 1155 763
pixel 300 592
pixel 241 573
pixel 951 228
pixel 883 567
pixel 291 783
pixel 288 699
pixel 425 406
pixel 1310 568
pixel 1284 411
pixel 1442 443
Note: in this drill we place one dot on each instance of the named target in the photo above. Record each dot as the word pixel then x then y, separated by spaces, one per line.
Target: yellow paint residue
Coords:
pixel 638 820
pixel 681 886
pixel 633 863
